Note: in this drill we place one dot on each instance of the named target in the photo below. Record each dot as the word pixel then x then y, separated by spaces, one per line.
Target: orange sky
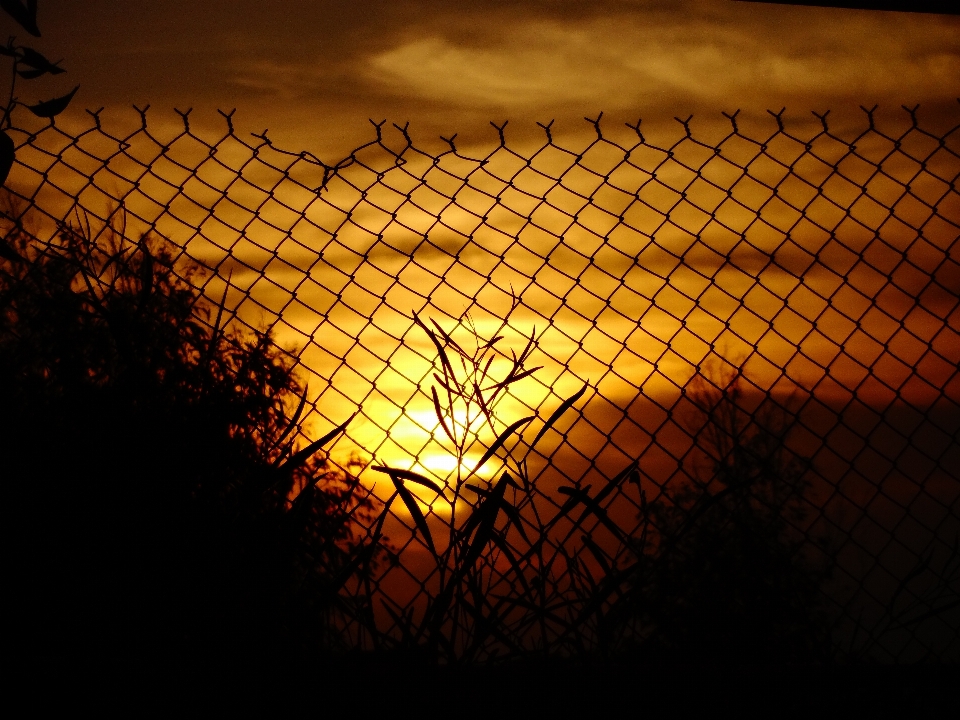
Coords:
pixel 314 71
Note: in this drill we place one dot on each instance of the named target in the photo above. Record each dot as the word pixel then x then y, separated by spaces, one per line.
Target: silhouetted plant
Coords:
pixel 27 64
pixel 494 583
pixel 728 577
pixel 158 495
pixel 717 571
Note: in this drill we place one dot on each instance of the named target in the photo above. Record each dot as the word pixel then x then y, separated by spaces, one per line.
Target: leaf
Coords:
pixel 486 369
pixel 365 552
pixel 482 536
pixel 440 417
pixel 484 518
pixel 31 74
pixel 31 58
pixel 510 379
pixel 501 543
pixel 615 482
pixel 442 382
pixel 293 421
pixel 493 341
pixel 52 108
pixel 448 368
pixel 590 504
pixel 301 502
pixel 7 155
pixel 415 512
pixel 25 13
pixel 576 496
pixel 480 515
pixel 564 406
pixel 478 394
pixel 597 553
pixel 398 474
pixel 448 339
pixel 215 332
pixel 496 496
pixel 498 443
pixel 301 457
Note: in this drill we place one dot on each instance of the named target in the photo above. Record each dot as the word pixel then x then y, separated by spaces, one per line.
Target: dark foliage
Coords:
pixel 27 64
pixel 153 516
pixel 730 578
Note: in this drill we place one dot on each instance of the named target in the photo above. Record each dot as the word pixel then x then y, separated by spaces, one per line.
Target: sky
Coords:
pixel 315 71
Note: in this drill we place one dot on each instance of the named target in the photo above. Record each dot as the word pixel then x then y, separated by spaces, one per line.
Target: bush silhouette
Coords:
pixel 728 579
pixel 152 482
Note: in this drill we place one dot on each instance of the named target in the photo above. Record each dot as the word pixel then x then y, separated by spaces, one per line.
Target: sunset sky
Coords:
pixel 314 71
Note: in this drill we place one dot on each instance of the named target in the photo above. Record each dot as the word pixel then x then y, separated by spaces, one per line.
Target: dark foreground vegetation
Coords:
pixel 165 522
pixel 159 514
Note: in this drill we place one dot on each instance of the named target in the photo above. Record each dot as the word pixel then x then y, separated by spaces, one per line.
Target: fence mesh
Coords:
pixel 776 312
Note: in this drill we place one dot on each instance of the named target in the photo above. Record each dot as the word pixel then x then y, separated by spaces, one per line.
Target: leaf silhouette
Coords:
pixel 31 74
pixel 512 378
pixel 501 543
pixel 415 512
pixel 301 457
pixel 7 156
pixel 448 368
pixel 293 421
pixel 564 406
pixel 25 13
pixel 496 496
pixel 398 474
pixel 498 443
pixel 440 417
pixel 31 58
pixel 52 108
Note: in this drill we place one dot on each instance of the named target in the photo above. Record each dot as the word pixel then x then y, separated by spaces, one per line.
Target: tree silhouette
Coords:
pixel 158 510
pixel 728 579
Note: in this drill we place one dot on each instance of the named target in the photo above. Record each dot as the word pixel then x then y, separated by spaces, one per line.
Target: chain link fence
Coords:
pixel 624 398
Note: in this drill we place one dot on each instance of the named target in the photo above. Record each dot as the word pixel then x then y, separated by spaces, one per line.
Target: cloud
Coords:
pixel 616 60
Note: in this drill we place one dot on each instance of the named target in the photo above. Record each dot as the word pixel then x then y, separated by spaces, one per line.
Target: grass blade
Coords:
pixel 217 329
pixel 597 553
pixel 498 443
pixel 301 457
pixel 501 543
pixel 512 378
pixel 293 421
pixel 440 417
pixel 615 482
pixel 564 406
pixel 398 474
pixel 448 368
pixel 449 340
pixel 415 512
pixel 478 393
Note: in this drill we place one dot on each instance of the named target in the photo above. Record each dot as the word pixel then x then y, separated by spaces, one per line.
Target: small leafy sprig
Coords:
pixel 491 588
pixel 27 64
